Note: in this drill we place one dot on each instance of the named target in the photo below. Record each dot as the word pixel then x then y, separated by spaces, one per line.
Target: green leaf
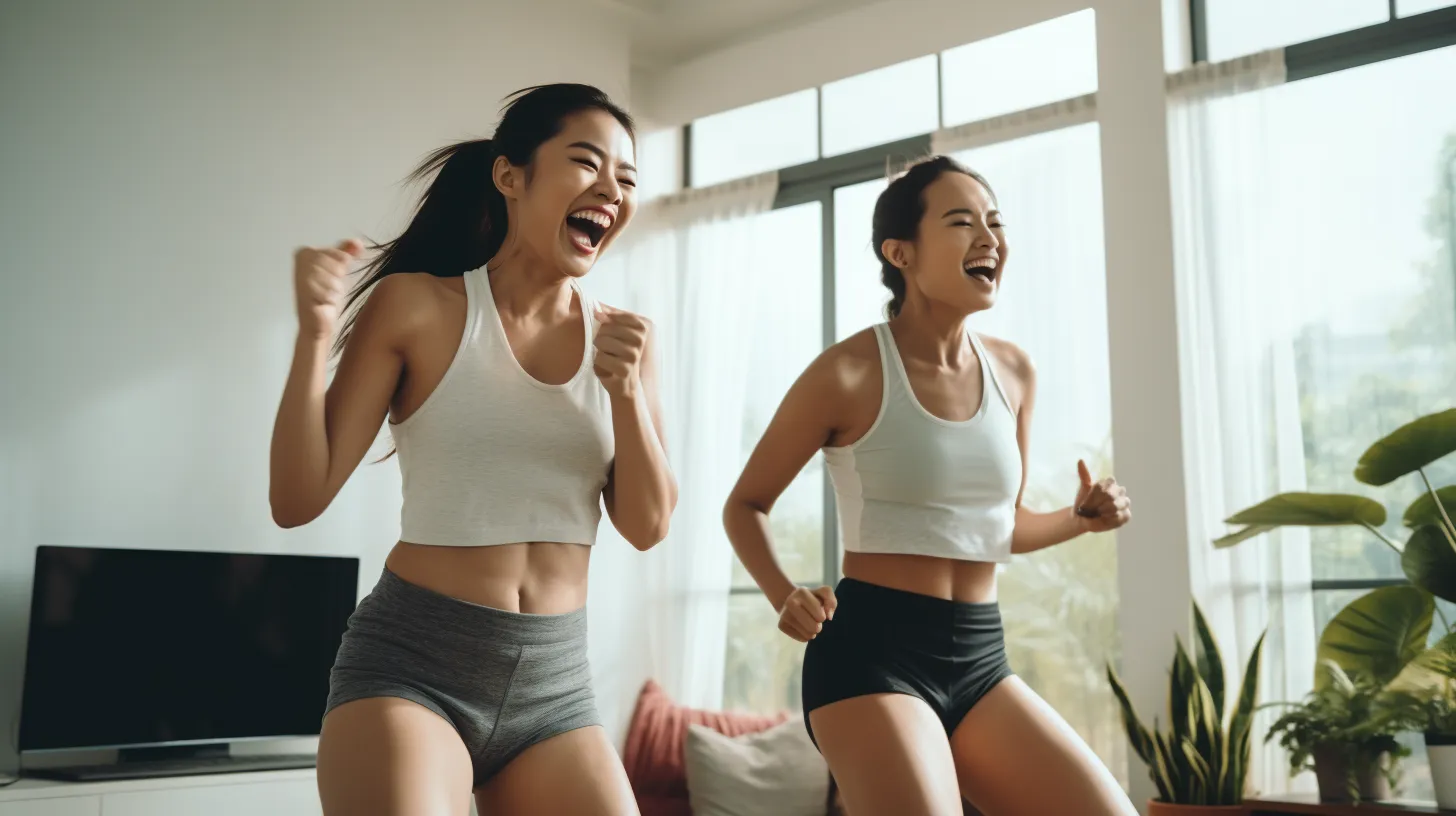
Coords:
pixel 1180 693
pixel 1430 563
pixel 1241 724
pixel 1210 662
pixel 1409 448
pixel 1423 510
pixel 1377 634
pixel 1199 771
pixel 1441 657
pixel 1137 733
pixel 1430 672
pixel 1312 510
pixel 1166 776
pixel 1243 535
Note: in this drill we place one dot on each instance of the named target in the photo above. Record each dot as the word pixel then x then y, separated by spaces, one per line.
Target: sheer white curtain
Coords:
pixel 687 266
pixel 1060 605
pixel 1241 421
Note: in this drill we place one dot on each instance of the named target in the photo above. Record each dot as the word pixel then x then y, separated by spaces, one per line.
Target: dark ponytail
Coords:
pixel 460 222
pixel 898 212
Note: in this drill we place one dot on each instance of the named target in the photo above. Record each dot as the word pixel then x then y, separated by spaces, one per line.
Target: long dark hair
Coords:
pixel 460 222
pixel 898 212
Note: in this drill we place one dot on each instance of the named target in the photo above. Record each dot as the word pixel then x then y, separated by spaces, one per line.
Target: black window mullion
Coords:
pixel 1363 46
pixel 829 546
pixel 1336 584
pixel 1198 29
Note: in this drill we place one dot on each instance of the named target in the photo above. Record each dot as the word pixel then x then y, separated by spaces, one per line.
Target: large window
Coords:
pixel 1366 209
pixel 1013 71
pixel 755 138
pixel 762 666
pixel 1238 27
pixel 1061 604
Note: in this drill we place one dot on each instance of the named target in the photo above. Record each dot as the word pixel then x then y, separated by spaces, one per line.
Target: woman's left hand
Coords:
pixel 620 341
pixel 1102 505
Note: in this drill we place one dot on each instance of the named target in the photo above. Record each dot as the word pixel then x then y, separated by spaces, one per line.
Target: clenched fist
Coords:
pixel 804 612
pixel 620 343
pixel 1102 505
pixel 320 284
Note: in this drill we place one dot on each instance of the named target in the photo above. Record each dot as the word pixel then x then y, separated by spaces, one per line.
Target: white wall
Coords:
pixel 160 160
pixel 1134 48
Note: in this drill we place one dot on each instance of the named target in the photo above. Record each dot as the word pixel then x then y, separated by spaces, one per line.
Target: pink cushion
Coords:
pixel 654 750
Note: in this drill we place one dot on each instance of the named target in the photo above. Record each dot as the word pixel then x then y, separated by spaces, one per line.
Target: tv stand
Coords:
pixel 264 793
pixel 175 760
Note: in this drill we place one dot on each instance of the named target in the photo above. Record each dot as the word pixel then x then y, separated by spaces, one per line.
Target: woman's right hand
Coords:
pixel 803 613
pixel 320 284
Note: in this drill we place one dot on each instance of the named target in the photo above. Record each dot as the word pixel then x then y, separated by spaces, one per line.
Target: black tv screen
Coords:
pixel 153 647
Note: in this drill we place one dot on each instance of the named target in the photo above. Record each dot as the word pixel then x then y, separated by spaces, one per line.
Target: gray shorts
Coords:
pixel 505 680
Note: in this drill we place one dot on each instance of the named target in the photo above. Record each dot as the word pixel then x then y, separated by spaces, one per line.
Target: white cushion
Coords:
pixel 777 772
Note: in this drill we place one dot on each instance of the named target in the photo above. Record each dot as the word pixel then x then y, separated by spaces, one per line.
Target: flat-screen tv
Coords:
pixel 138 648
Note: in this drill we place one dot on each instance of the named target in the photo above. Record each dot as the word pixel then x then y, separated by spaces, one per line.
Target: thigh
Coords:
pixel 1015 756
pixel 386 756
pixel 888 754
pixel 577 772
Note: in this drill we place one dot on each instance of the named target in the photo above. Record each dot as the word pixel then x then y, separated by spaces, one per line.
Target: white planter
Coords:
pixel 1441 750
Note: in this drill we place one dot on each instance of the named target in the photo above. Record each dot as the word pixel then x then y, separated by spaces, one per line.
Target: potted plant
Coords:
pixel 1199 764
pixel 1423 699
pixel 1398 617
pixel 1336 734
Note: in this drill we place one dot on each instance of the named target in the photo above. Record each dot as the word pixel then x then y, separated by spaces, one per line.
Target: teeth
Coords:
pixel 982 263
pixel 597 217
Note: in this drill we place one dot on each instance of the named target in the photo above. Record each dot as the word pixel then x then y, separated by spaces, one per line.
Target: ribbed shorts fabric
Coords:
pixel 504 680
pixel 887 641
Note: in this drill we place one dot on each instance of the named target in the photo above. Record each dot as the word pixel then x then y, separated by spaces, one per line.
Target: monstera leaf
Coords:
pixel 1423 510
pixel 1408 449
pixel 1430 563
pixel 1377 634
pixel 1303 510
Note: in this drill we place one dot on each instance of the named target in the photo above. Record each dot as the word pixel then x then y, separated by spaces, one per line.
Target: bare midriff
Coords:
pixel 945 578
pixel 540 578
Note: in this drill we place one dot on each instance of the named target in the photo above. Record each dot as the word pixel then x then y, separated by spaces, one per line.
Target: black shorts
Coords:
pixel 882 640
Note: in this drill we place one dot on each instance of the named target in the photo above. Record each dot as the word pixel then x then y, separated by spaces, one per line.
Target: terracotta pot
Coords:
pixel 1156 808
pixel 1331 770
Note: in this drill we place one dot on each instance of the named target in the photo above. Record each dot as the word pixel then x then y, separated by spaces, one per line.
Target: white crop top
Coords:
pixel 921 485
pixel 494 456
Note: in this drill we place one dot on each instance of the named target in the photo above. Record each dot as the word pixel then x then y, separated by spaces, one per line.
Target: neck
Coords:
pixel 525 286
pixel 932 332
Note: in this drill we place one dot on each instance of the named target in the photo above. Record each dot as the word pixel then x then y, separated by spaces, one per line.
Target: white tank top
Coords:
pixel 494 456
pixel 921 485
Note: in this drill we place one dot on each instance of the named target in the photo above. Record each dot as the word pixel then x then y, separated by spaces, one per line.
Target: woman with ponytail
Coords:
pixel 519 408
pixel 924 425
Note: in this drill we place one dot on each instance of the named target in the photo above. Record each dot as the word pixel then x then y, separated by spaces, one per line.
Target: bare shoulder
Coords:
pixel 1012 359
pixel 847 367
pixel 403 304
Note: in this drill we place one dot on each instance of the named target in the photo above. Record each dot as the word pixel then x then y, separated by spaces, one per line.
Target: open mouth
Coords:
pixel 587 227
pixel 982 269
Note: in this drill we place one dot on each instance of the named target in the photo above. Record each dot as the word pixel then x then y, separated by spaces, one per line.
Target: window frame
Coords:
pixel 817 180
pixel 1396 37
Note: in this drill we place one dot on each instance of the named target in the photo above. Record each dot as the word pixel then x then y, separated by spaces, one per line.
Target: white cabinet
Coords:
pixel 265 793
pixel 294 798
pixel 72 806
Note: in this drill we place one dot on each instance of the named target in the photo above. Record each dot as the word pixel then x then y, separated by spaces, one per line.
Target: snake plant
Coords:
pixel 1203 757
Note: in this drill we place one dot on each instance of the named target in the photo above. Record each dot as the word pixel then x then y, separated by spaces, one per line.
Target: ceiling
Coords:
pixel 668 32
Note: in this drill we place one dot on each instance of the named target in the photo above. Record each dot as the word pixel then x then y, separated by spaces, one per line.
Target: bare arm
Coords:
pixel 802 425
pixel 641 491
pixel 1098 506
pixel 323 431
